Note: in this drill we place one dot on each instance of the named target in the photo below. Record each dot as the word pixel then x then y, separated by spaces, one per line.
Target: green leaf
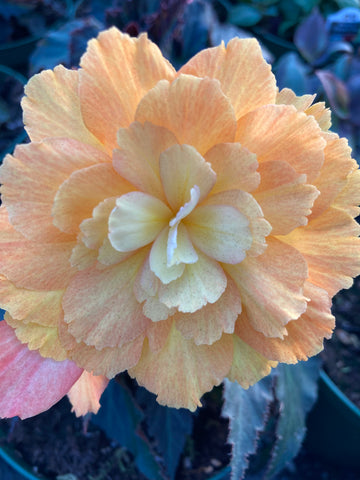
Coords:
pixel 244 15
pixel 291 72
pixel 168 426
pixel 120 419
pixel 307 5
pixel 296 391
pixel 247 413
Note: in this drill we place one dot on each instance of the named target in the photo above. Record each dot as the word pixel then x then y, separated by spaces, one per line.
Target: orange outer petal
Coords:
pixel 85 394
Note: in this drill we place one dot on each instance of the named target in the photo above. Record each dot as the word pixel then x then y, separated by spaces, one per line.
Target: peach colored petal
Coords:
pixel 220 231
pixel 181 372
pixel 235 167
pixel 136 221
pixel 38 337
pixel 321 114
pixel 247 205
pixel 108 361
pixel 51 107
pixel 83 257
pixel 40 383
pixel 331 248
pixel 138 159
pixel 42 307
pixel 333 176
pixel 95 229
pixel 349 198
pixel 183 107
pixel 182 167
pixel 157 334
pixel 271 287
pixel 82 191
pixel 100 307
pixel 85 394
pixel 245 77
pixel 287 97
pixel 27 264
pixel 117 71
pixel 248 366
pixel 31 178
pixel 284 197
pixel 107 255
pixel 207 325
pixel 201 283
pixel 279 132
pixel 305 335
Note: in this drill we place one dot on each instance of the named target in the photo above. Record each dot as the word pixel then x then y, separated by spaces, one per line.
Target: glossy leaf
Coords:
pixel 291 72
pixel 247 414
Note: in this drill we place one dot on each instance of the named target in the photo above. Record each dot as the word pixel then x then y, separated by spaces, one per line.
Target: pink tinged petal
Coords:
pixel 245 77
pixel 331 247
pixel 221 232
pixel 271 287
pixel 52 107
pixel 334 175
pixel 285 199
pixel 247 206
pixel 157 334
pixel 40 383
pixel 85 394
pixel 108 361
pixel 279 132
pixel 305 335
pixel 248 366
pixel 235 167
pixel 181 372
pixel 183 107
pixel 201 283
pixel 138 158
pixel 349 198
pixel 182 167
pixel 207 325
pixel 117 71
pixel 82 257
pixel 136 221
pixel 82 191
pixel 27 264
pixel 100 307
pixel 28 195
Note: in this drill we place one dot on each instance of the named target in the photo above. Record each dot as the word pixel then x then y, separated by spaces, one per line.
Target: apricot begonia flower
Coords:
pixel 184 226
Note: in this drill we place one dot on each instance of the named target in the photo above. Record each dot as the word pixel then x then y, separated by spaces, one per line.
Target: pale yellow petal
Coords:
pixel 182 167
pixel 235 167
pixel 271 287
pixel 181 372
pixel 207 325
pixel 85 394
pixel 51 107
pixel 117 70
pixel 136 221
pixel 183 107
pixel 245 77
pixel 138 158
pixel 280 132
pixel 201 283
pixel 221 232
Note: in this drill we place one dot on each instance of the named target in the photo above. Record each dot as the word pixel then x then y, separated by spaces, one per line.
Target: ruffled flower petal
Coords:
pixel 138 158
pixel 40 382
pixel 29 196
pixel 331 247
pixel 235 167
pixel 349 198
pixel 305 335
pixel 183 107
pixel 182 167
pixel 90 294
pixel 207 325
pixel 245 77
pixel 279 132
pixel 271 287
pixel 284 197
pixel 117 71
pixel 181 372
pixel 85 394
pixel 27 264
pixel 51 107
